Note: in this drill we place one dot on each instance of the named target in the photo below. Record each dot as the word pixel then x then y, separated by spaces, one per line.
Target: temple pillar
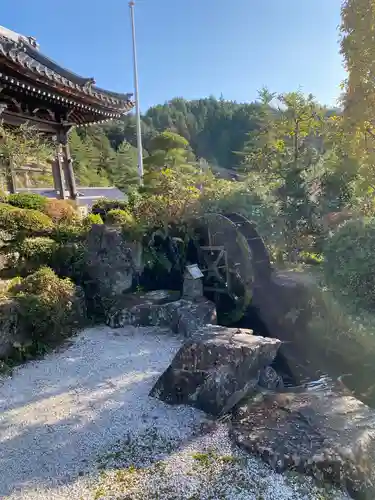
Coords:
pixel 68 164
pixel 57 172
pixel 70 172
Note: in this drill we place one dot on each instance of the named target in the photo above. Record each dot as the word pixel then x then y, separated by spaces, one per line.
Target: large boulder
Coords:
pixel 283 304
pixel 322 431
pixel 160 308
pixel 136 308
pixel 110 262
pixel 190 316
pixel 215 369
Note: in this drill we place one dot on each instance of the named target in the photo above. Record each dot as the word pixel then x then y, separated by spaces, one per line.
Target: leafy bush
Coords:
pixel 162 210
pixel 312 258
pixel 132 229
pixel 120 217
pixel 18 220
pixel 37 252
pixel 92 219
pixel 49 307
pixel 103 206
pixel 65 233
pixel 28 200
pixel 350 260
pixel 60 211
pixel 68 260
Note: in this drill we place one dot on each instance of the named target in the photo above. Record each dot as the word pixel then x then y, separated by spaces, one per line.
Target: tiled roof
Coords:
pixel 112 193
pixel 86 195
pixel 24 52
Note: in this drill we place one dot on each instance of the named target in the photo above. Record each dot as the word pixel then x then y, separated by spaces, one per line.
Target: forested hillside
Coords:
pixel 215 129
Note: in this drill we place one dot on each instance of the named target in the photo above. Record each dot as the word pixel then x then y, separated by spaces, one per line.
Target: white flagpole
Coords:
pixel 136 90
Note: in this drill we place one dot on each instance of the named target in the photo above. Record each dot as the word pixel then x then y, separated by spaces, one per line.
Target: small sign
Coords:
pixel 194 271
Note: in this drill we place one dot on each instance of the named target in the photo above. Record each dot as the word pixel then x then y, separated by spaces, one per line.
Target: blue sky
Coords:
pixel 191 48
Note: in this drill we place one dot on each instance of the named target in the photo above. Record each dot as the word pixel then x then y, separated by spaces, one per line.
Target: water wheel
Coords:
pixel 228 253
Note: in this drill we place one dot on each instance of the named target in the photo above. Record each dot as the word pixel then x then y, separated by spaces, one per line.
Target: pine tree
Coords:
pixel 125 172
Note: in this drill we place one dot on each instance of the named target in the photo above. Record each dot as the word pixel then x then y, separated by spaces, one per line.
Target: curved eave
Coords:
pixel 80 112
pixel 41 68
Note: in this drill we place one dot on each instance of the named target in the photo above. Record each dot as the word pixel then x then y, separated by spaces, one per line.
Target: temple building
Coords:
pixel 36 90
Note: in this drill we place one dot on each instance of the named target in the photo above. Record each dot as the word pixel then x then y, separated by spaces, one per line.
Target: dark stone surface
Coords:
pixel 283 305
pixel 192 315
pixel 324 432
pixel 270 379
pixel 215 369
pixel 160 308
pixel 110 262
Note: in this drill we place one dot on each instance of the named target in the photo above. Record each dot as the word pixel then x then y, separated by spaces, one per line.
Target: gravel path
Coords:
pixel 79 425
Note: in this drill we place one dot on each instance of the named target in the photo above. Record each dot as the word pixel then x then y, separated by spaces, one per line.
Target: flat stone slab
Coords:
pixel 215 369
pixel 323 432
pixel 160 308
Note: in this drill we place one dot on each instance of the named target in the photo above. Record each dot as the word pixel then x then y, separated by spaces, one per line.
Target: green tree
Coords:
pixel 357 47
pixel 358 99
pixel 283 158
pixel 22 146
pixel 105 156
pixel 125 174
pixel 85 161
pixel 169 152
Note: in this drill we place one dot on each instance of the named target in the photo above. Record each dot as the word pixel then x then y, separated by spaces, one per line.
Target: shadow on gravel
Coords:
pixel 57 414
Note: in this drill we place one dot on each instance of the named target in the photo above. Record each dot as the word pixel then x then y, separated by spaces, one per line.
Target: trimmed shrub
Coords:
pixel 60 211
pixel 68 260
pixel 37 252
pixel 28 200
pixel 349 260
pixel 65 233
pixel 132 229
pixel 50 308
pixel 92 219
pixel 120 218
pixel 103 206
pixel 18 220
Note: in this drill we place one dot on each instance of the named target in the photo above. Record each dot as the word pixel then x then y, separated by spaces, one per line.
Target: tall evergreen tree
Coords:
pixel 125 172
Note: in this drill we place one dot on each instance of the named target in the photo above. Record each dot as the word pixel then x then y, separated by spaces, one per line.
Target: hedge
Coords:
pixel 103 206
pixel 18 220
pixel 349 260
pixel 28 200
pixel 91 219
pixel 49 307
pixel 120 218
pixel 37 251
pixel 69 233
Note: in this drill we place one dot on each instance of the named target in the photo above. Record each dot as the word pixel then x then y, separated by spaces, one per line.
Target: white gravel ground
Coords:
pixel 79 424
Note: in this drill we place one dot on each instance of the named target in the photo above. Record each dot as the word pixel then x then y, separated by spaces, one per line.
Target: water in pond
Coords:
pixel 253 321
